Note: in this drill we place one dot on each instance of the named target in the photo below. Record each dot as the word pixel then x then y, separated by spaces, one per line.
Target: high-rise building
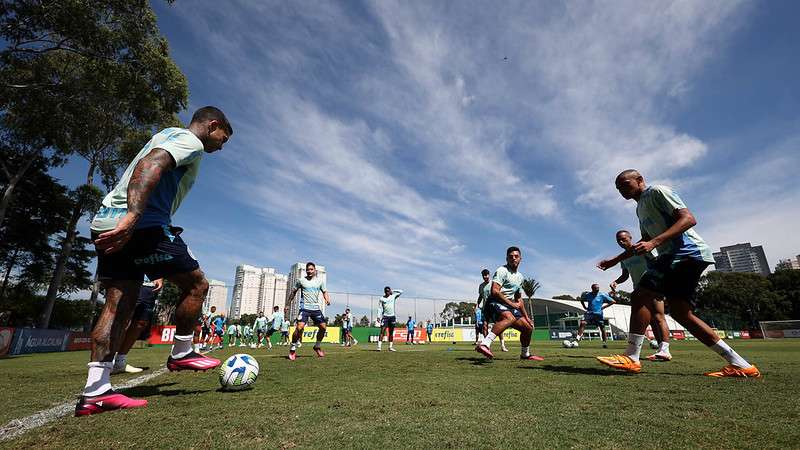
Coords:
pixel 217 296
pixel 742 258
pixel 789 264
pixel 257 289
pixel 298 271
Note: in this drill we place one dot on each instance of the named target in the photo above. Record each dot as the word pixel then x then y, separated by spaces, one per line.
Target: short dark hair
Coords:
pixel 387 287
pixel 276 307
pixel 311 264
pixel 629 172
pixel 512 249
pixel 623 231
pixel 207 113
pixel 485 272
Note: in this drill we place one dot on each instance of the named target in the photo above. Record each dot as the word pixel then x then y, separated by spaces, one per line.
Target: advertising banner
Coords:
pixel 560 334
pixel 79 340
pixel 6 337
pixel 32 340
pixel 466 335
pixel 161 334
pixel 678 334
pixel 332 335
pixel 744 334
pixel 400 335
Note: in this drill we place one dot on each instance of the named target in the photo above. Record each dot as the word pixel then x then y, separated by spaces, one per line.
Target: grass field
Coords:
pixel 435 396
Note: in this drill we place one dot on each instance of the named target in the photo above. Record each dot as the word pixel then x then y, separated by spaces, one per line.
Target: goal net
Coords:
pixel 777 329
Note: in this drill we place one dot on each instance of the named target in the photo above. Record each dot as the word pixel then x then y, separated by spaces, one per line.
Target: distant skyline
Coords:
pixel 409 143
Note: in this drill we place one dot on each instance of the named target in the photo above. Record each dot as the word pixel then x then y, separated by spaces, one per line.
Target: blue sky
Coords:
pixel 409 143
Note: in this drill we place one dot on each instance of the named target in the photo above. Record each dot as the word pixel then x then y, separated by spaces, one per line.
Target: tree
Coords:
pixel 168 300
pixel 529 287
pixel 564 297
pixel 83 77
pixel 364 321
pixel 338 320
pixel 248 318
pixel 786 283
pixel 457 310
pixel 729 300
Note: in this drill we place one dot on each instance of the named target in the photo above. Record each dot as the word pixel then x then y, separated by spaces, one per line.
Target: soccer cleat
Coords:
pixel 531 358
pixel 355 341
pixel 735 372
pixel 621 362
pixel 127 369
pixel 106 402
pixel 292 354
pixel 392 349
pixel 484 350
pixel 503 348
pixel 660 357
pixel 605 345
pixel 319 352
pixel 192 361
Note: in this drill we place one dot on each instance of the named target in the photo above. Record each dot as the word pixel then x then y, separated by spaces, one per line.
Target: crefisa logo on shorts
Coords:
pixel 152 259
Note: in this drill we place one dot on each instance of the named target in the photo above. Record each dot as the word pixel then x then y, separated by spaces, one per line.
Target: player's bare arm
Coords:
pixel 498 294
pixel 327 299
pixel 684 220
pixel 609 263
pixel 622 278
pixel 144 179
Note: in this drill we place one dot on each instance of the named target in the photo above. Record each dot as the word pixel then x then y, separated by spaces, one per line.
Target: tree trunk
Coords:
pixel 11 265
pixel 61 265
pixel 8 193
pixel 87 327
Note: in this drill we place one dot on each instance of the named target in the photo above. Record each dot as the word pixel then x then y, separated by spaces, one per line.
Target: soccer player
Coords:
pixel 142 315
pixel 386 306
pixel 594 303
pixel 274 325
pixel 247 335
pixel 506 308
pixel 484 292
pixel 260 328
pixel 634 267
pixel 285 327
pixel 134 237
pixel 205 333
pixel 667 225
pixel 208 342
pixel 220 325
pixel 312 293
pixel 233 334
pixel 347 326
pixel 410 324
pixel 429 331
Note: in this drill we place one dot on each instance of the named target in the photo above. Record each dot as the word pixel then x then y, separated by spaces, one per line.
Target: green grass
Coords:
pixel 438 396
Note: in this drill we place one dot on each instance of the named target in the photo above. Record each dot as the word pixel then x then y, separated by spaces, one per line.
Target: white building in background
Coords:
pixel 217 296
pixel 298 271
pixel 256 289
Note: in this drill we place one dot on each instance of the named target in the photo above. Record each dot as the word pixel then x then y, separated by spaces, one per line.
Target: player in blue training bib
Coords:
pixel 594 303
pixel 312 293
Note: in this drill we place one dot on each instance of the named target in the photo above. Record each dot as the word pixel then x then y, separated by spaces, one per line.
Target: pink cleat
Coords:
pixel 319 352
pixel 484 350
pixel 192 361
pixel 531 358
pixel 292 355
pixel 106 402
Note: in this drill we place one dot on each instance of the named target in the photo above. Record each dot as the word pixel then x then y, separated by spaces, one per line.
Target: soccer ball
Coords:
pixel 654 344
pixel 566 343
pixel 238 372
pixel 574 344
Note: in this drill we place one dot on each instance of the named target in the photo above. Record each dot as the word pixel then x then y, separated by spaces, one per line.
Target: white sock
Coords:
pixel 391 344
pixel 664 348
pixel 293 347
pixel 99 379
pixel 181 345
pixel 526 351
pixel 120 361
pixel 730 355
pixel 634 346
pixel 487 341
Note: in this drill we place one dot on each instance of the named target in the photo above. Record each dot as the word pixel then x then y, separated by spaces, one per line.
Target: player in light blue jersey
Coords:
pixel 594 303
pixel 386 305
pixel 410 324
pixel 285 327
pixel 275 323
pixel 347 328
pixel 482 319
pixel 259 329
pixel 247 335
pixel 667 226
pixel 506 308
pixel 634 268
pixel 312 293
pixel 234 334
pixel 429 331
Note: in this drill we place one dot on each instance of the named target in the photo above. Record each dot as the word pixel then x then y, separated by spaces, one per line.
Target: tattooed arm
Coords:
pixel 145 178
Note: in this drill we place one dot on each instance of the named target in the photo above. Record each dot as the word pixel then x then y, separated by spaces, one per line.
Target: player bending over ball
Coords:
pixel 506 308
pixel 134 237
pixel 312 292
pixel 386 312
pixel 594 303
pixel 667 225
pixel 634 267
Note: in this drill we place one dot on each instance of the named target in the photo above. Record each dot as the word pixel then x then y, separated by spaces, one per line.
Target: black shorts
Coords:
pixel 389 321
pixel 271 331
pixel 315 316
pixel 594 319
pixel 495 310
pixel 157 252
pixel 672 278
pixel 145 304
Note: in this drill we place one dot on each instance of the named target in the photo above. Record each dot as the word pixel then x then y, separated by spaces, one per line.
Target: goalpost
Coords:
pixel 778 329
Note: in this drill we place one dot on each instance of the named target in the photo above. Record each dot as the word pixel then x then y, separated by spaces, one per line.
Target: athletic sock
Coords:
pixel 99 379
pixel 181 346
pixel 391 344
pixel 293 348
pixel 730 355
pixel 318 344
pixel 634 346
pixel 120 361
pixel 197 347
pixel 664 347
pixel 526 351
pixel 487 341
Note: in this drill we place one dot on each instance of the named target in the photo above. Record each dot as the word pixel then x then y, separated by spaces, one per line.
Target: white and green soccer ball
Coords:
pixel 574 344
pixel 238 372
pixel 567 343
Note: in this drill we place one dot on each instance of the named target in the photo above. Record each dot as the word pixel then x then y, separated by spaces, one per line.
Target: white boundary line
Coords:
pixel 18 427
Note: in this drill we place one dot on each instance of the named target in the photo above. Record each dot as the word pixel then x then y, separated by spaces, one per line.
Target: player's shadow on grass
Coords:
pixel 575 370
pixel 476 361
pixel 157 389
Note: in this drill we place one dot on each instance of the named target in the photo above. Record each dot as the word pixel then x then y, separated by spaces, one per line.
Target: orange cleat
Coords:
pixel 621 362
pixel 736 372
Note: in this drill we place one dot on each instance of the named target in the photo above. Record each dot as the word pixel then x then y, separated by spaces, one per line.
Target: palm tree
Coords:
pixel 530 286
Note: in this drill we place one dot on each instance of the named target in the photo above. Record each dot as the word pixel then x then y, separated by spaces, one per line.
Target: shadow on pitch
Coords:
pixel 576 370
pixel 158 390
pixel 476 361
